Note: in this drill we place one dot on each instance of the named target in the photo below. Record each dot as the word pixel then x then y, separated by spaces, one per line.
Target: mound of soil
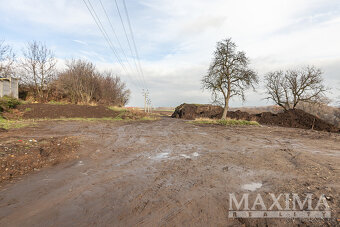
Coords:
pixel 39 110
pixel 295 119
pixel 192 111
pixel 291 118
pixel 19 157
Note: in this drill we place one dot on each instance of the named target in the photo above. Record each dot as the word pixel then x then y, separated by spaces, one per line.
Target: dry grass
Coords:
pixel 227 122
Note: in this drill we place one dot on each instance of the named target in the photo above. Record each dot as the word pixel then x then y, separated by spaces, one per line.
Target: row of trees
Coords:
pixel 79 82
pixel 230 75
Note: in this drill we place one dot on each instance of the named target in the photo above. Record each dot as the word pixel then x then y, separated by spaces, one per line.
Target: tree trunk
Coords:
pixel 225 111
pixel 226 107
pixel 226 101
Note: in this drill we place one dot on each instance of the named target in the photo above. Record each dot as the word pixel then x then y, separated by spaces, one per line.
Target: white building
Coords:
pixel 9 86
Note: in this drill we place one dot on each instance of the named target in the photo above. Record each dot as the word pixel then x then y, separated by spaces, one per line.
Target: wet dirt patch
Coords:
pixel 117 182
pixel 252 186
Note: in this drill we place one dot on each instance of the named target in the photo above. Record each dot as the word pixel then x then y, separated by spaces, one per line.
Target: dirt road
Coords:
pixel 170 173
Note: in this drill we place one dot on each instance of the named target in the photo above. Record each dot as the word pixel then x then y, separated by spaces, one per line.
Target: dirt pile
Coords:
pixel 295 119
pixel 192 111
pixel 291 118
pixel 38 110
pixel 19 157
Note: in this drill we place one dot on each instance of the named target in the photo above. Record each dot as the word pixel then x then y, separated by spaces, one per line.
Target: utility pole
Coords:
pixel 149 105
pixel 145 93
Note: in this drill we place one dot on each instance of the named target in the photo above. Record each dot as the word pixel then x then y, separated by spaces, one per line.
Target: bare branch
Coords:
pixel 7 58
pixel 294 86
pixel 38 68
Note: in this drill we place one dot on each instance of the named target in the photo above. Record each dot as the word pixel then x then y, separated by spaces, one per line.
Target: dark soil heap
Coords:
pixel 290 118
pixel 39 110
pixel 296 119
pixel 192 111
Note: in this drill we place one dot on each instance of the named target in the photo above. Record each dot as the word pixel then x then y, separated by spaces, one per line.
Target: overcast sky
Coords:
pixel 176 39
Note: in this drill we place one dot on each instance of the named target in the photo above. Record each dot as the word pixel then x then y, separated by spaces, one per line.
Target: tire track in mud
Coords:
pixel 125 178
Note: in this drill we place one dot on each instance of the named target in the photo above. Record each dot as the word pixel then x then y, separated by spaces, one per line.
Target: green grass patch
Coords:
pixel 28 109
pixel 10 124
pixel 227 122
pixel 57 103
pixel 149 118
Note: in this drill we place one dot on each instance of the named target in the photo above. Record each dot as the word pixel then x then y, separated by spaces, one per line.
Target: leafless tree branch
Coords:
pixel 288 89
pixel 38 68
pixel 7 58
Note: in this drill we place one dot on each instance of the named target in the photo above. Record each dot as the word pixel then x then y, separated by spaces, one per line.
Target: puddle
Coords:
pixel 202 133
pixel 80 163
pixel 252 187
pixel 160 156
pixel 185 156
pixel 195 154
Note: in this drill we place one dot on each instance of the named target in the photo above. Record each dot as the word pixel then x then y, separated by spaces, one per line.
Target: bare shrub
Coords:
pixel 113 90
pixel 7 58
pixel 38 69
pixel 82 83
pixel 79 82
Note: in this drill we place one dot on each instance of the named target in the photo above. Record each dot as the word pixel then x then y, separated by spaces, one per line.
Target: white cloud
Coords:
pixel 176 38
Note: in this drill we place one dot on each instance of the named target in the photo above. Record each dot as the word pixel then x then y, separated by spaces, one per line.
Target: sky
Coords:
pixel 175 40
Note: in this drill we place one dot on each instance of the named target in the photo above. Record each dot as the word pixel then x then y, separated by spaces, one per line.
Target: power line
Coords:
pixel 133 38
pixel 128 41
pixel 146 93
pixel 107 38
pixel 115 34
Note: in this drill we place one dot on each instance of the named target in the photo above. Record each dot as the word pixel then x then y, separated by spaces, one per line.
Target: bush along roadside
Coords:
pixel 7 103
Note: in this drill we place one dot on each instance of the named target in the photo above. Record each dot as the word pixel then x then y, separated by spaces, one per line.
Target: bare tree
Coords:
pixel 288 89
pixel 229 74
pixel 113 90
pixel 7 58
pixel 38 68
pixel 79 81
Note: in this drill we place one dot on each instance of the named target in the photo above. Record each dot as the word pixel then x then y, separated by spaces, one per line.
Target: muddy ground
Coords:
pixel 170 173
